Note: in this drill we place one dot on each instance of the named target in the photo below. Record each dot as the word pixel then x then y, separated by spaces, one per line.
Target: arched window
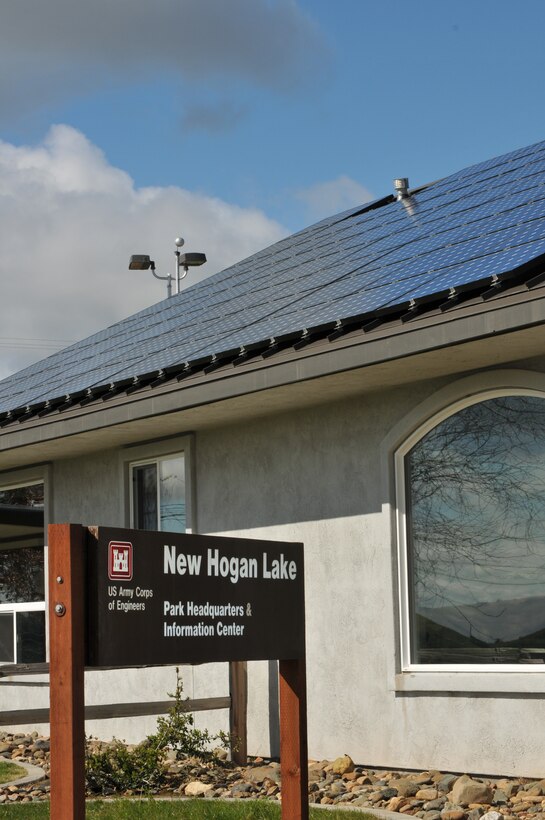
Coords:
pixel 475 536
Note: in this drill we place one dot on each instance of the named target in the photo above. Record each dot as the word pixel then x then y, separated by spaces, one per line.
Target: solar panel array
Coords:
pixel 483 222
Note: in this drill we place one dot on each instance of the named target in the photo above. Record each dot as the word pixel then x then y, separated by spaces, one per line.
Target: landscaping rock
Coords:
pixel 466 791
pixel 453 814
pixel 341 782
pixel 445 783
pixel 427 794
pixel 198 789
pixel 343 764
pixel 404 786
pixel 258 774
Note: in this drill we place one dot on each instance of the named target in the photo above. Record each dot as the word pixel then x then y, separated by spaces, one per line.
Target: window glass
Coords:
pixel 22 588
pixel 30 496
pixel 159 495
pixel 145 496
pixel 21 575
pixel 476 534
pixel 6 638
pixel 30 637
pixel 172 494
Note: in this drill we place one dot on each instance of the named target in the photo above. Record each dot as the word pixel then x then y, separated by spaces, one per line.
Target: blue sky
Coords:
pixel 233 122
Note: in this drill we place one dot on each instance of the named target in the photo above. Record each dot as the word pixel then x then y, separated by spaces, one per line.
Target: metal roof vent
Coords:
pixel 401 186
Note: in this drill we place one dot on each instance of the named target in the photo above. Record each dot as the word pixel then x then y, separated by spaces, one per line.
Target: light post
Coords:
pixel 183 261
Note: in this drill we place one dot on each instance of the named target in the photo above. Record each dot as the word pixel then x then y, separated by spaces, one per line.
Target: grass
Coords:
pixel 10 771
pixel 174 810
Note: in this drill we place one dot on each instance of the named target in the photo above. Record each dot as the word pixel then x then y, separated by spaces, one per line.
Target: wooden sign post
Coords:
pixel 66 670
pixel 105 584
pixel 293 740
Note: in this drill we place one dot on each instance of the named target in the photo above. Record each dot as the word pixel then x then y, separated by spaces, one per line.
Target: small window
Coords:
pixel 475 528
pixel 22 586
pixel 159 494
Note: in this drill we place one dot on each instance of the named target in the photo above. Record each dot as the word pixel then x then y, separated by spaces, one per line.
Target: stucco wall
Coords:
pixel 322 476
pixel 91 491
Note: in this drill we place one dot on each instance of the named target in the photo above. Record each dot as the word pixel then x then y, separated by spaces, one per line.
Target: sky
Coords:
pixel 233 123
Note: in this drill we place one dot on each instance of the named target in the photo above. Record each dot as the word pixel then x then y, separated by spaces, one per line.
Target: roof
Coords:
pixel 475 232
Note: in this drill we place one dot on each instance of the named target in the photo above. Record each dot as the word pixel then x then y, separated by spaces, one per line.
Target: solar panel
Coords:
pixel 483 221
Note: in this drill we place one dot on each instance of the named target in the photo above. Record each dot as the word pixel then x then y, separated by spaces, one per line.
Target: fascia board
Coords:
pixel 358 351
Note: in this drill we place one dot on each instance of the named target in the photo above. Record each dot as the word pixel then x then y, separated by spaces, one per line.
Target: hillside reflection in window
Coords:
pixel 476 530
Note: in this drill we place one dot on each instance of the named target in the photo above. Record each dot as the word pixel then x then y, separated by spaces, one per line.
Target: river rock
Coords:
pixel 453 814
pixel 445 783
pixel 435 805
pixel 257 774
pixel 198 789
pixel 427 794
pixel 343 765
pixel 466 791
pixel 404 786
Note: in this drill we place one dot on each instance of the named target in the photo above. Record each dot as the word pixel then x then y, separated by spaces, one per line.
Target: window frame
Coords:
pixel 14 609
pixel 12 480
pixel 151 453
pixel 434 671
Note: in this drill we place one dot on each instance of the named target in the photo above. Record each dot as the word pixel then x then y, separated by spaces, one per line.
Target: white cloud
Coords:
pixel 326 198
pixel 59 48
pixel 68 223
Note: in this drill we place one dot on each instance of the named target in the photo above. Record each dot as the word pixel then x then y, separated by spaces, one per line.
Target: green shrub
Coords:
pixel 116 767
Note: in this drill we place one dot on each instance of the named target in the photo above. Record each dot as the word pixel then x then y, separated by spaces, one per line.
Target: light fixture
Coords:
pixel 140 261
pixel 183 260
pixel 191 260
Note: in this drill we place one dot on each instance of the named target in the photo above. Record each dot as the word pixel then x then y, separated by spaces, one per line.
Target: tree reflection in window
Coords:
pixel 31 495
pixel 21 575
pixel 476 529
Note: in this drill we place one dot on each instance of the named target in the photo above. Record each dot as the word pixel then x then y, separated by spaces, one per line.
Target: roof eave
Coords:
pixel 357 357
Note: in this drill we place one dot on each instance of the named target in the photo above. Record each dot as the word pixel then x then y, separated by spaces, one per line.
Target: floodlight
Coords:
pixel 140 261
pixel 187 260
pixel 192 260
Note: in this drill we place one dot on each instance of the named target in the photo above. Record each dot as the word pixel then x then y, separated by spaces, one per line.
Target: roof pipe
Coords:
pixel 401 186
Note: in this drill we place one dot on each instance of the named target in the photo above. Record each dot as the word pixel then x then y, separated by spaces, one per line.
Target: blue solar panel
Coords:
pixel 481 222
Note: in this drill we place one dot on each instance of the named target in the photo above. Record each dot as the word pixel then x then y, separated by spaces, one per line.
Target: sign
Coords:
pixel 119 561
pixel 165 598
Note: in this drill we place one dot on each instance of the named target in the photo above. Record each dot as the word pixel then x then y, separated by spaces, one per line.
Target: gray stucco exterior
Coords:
pixel 323 474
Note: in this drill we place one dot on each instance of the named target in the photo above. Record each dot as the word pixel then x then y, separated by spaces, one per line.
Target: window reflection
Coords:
pixel 30 637
pixel 172 492
pixel 7 649
pixel 32 495
pixel 22 591
pixel 145 497
pixel 159 495
pixel 476 522
pixel 21 575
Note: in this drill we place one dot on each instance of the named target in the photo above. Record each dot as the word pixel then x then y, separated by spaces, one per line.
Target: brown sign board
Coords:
pixel 158 598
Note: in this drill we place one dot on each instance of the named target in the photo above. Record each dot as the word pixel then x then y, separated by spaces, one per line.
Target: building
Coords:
pixel 373 386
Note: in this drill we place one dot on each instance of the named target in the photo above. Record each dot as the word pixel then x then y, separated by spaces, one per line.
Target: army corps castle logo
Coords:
pixel 119 561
